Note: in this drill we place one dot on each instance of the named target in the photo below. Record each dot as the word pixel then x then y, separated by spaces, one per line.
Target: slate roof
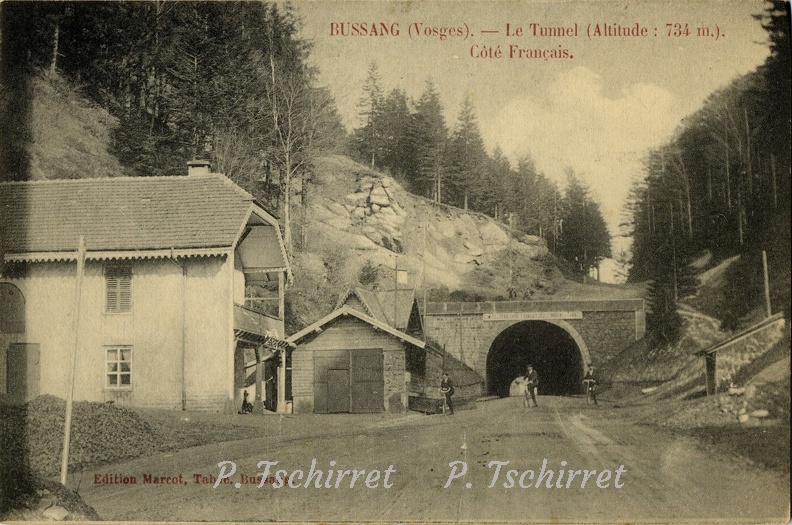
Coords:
pixel 124 214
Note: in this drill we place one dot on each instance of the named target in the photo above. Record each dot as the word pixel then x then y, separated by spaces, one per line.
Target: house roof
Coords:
pixel 348 310
pixel 380 305
pixel 128 217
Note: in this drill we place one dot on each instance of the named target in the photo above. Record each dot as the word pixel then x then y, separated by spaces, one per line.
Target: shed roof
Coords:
pixel 348 310
pixel 127 216
pixel 380 305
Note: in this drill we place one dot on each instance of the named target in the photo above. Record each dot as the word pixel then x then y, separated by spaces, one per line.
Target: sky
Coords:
pixel 598 112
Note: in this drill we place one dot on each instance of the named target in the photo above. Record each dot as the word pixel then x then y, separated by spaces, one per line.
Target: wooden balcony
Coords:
pixel 256 327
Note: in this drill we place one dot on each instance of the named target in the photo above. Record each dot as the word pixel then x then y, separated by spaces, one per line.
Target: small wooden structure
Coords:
pixel 368 355
pixel 351 362
pixel 717 370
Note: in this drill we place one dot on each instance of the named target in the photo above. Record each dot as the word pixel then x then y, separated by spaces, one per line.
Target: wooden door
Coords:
pixel 367 381
pixel 337 390
pixel 22 372
pixel 271 384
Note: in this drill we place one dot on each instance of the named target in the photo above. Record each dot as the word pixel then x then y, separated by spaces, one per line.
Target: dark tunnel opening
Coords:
pixel 549 348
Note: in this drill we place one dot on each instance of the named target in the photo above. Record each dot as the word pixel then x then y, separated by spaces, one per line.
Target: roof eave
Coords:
pixel 347 310
pixel 99 255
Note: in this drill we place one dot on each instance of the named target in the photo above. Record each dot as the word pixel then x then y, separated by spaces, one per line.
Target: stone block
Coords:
pixel 46 502
pixel 356 198
pixel 56 513
pixel 378 196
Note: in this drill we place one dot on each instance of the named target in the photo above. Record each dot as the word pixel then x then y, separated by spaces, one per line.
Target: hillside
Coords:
pixel 356 225
pixel 71 137
pixel 360 224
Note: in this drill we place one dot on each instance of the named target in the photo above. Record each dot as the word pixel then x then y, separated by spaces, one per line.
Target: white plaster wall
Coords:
pixel 154 329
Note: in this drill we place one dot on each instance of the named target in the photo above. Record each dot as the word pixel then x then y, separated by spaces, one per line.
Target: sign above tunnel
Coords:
pixel 532 316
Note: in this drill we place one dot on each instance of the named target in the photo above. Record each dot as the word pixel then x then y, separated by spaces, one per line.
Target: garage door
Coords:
pixel 348 381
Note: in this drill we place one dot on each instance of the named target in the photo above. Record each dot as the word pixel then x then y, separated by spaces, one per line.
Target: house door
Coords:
pixel 271 384
pixel 338 390
pixel 22 372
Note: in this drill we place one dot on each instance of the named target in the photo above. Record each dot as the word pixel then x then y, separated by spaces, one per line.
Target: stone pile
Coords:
pixel 742 403
pixel 50 501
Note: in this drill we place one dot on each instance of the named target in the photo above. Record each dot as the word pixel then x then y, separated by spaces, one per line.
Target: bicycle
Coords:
pixel 446 409
pixel 591 391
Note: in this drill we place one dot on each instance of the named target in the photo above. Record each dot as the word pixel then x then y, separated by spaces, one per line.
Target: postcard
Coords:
pixel 365 261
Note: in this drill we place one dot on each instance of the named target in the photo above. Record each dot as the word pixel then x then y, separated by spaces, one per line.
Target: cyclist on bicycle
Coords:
pixel 590 380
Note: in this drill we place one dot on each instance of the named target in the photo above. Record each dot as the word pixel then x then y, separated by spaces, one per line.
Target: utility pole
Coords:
pixel 766 283
pixel 395 290
pixel 72 367
pixel 509 248
pixel 423 273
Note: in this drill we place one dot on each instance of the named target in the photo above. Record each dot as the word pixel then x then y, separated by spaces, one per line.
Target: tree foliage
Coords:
pixel 583 238
pixel 410 139
pixel 224 81
pixel 721 184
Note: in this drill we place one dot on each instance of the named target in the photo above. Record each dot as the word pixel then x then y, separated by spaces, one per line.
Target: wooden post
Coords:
pixel 282 382
pixel 423 275
pixel 259 403
pixel 72 367
pixel 766 283
pixel 395 290
pixel 55 41
pixel 509 248
pixel 775 184
pixel 281 296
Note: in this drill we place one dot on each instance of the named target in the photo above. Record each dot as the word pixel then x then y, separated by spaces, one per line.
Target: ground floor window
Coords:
pixel 119 367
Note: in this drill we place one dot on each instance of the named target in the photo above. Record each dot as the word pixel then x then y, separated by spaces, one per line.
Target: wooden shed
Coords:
pixel 351 362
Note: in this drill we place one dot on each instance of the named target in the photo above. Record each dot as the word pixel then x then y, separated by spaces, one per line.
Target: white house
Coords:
pixel 181 293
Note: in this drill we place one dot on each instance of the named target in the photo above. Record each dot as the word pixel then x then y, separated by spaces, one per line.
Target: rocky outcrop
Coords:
pixel 375 220
pixel 373 205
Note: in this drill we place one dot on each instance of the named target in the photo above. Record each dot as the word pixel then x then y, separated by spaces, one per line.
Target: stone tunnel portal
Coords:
pixel 551 350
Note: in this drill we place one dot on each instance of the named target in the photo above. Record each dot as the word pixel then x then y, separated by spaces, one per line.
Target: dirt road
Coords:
pixel 639 474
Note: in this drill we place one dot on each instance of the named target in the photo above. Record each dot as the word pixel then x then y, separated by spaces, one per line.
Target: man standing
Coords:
pixel 447 389
pixel 531 385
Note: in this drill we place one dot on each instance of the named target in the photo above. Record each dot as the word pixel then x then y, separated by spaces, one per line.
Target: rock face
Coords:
pixel 375 208
pixel 371 216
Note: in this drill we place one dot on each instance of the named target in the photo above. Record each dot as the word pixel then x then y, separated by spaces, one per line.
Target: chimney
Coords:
pixel 199 167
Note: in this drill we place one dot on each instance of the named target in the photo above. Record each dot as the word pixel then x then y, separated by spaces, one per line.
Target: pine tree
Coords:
pixel 398 154
pixel 585 239
pixel 466 161
pixel 370 137
pixel 429 137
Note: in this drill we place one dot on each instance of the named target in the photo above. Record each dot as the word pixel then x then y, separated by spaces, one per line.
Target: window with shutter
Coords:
pixel 118 295
pixel 119 367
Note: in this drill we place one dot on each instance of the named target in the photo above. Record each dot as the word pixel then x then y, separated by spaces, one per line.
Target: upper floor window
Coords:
pixel 118 289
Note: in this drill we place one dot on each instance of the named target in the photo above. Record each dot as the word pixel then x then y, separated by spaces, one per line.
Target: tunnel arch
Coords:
pixel 553 346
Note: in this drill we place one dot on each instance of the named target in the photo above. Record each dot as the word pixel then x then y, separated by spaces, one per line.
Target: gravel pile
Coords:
pixel 49 501
pixel 100 433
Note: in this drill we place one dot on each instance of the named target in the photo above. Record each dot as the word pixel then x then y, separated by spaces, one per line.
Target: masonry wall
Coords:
pixel 606 333
pixel 468 337
pixel 350 334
